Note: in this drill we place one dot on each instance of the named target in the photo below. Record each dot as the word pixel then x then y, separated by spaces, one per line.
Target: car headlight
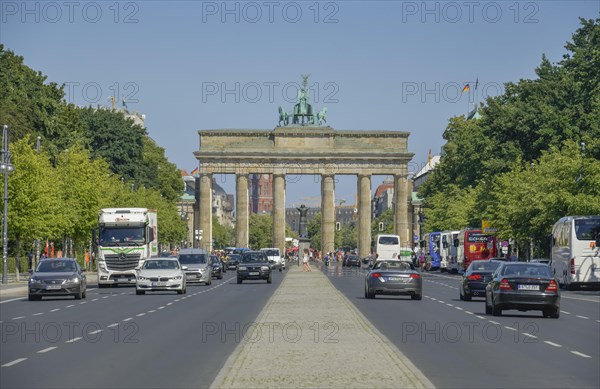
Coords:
pixel 140 278
pixel 74 280
pixel 241 267
pixel 102 267
pixel 33 280
pixel 176 278
pixel 264 268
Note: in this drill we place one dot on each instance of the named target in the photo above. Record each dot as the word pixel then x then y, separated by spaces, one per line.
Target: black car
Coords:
pixel 57 277
pixel 352 260
pixel 523 286
pixel 234 260
pixel 476 277
pixel 254 265
pixel 217 267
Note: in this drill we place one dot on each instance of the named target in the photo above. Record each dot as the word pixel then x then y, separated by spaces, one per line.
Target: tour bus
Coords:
pixel 432 246
pixel 575 254
pixel 473 244
pixel 388 247
pixel 448 260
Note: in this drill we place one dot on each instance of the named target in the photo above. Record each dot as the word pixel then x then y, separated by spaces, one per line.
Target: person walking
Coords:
pixel 305 259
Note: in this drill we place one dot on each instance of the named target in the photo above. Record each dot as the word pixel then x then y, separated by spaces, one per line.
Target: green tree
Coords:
pixel 260 231
pixel 313 229
pixel 223 236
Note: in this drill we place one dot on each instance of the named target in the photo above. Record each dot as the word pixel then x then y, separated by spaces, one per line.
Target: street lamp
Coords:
pixel 185 217
pixel 5 168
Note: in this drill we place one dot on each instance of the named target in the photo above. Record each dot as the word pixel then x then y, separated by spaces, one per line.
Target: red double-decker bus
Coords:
pixel 472 245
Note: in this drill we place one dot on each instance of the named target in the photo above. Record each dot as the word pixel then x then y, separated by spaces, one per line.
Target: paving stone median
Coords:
pixel 311 336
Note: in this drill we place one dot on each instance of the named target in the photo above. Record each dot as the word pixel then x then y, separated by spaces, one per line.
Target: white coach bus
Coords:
pixel 575 251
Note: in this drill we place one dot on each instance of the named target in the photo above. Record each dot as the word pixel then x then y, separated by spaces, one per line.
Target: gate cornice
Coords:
pixel 303 150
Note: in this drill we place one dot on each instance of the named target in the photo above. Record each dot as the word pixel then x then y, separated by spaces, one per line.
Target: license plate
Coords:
pixel 253 273
pixel 123 280
pixel 52 287
pixel 395 279
pixel 159 284
pixel 528 287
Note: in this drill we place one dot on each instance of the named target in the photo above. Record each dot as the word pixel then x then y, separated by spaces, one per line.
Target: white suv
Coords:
pixel 274 257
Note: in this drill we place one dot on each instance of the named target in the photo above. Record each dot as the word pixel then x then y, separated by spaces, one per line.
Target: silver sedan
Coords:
pixel 394 277
pixel 161 274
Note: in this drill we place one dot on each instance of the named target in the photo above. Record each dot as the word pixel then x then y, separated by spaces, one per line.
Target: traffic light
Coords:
pixel 380 226
pixel 337 226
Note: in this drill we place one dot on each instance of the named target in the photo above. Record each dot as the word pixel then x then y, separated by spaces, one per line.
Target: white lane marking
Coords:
pixel 37 314
pixel 18 317
pixel 580 354
pixel 552 343
pixel 55 309
pixel 169 303
pixel 112 325
pixel 95 299
pixel 480 317
pixel 129 318
pixel 529 335
pixel 105 297
pixel 450 305
pixel 83 302
pixel 562 296
pixel 469 312
pixel 161 307
pixel 510 328
pixel 15 299
pixel 9 364
pixel 459 308
pixel 74 340
pixel 152 311
pixel 69 306
pixel 94 332
pixel 140 314
pixel 565 312
pixel 47 349
pixel 494 322
pixel 582 317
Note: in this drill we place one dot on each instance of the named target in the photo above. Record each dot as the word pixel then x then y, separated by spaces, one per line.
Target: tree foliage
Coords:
pixel 520 165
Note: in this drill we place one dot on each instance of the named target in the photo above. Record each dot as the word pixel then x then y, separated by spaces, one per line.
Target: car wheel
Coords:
pixel 460 295
pixel 280 269
pixel 32 297
pixel 78 295
pixel 209 282
pixel 416 297
pixel 496 311
pixel 488 308
pixel 239 280
pixel 84 294
pixel 220 277
pixel 180 291
pixel 467 297
pixel 555 313
pixel 368 293
pixel 270 279
pixel 102 286
pixel 140 292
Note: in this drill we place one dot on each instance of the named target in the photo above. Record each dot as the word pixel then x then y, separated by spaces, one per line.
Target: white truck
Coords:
pixel 126 238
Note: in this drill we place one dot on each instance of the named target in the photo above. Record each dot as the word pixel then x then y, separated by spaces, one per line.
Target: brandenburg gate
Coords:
pixel 294 149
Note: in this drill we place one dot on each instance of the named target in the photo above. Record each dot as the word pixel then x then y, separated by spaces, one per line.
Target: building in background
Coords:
pixel 383 197
pixel 261 193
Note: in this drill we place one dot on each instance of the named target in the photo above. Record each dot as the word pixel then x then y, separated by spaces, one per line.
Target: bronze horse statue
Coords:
pixel 283 117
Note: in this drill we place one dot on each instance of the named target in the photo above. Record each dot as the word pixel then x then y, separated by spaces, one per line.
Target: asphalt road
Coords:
pixel 455 344
pixel 116 339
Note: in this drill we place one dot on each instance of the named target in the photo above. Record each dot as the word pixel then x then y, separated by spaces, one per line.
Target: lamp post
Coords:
pixel 5 168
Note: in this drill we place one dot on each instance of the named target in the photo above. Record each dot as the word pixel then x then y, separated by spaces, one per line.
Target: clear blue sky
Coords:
pixel 386 65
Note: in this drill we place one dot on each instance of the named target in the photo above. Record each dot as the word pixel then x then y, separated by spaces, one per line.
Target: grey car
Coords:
pixel 524 286
pixel 198 266
pixel 57 277
pixel 394 277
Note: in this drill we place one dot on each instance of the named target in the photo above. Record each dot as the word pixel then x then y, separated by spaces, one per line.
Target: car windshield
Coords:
pixel 393 265
pixel 234 257
pixel 271 253
pixel 56 267
pixel 484 266
pixel 190 259
pixel 158 264
pixel 254 257
pixel 526 271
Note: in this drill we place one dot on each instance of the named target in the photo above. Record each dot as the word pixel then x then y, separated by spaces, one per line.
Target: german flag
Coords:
pixel 466 88
pixel 194 172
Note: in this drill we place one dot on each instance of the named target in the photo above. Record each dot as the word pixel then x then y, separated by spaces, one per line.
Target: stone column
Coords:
pixel 241 210
pixel 401 214
pixel 327 214
pixel 206 210
pixel 364 215
pixel 279 212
